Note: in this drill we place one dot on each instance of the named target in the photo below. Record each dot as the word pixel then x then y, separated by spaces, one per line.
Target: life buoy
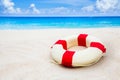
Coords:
pixel 93 52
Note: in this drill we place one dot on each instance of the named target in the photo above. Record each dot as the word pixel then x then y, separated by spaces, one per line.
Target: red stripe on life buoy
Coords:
pixel 98 45
pixel 63 43
pixel 67 58
pixel 82 39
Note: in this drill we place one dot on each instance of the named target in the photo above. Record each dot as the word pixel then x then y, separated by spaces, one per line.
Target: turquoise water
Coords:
pixel 58 22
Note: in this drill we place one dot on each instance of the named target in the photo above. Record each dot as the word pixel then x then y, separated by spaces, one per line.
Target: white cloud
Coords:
pixel 106 5
pixel 34 9
pixel 88 8
pixel 9 7
pixel 18 10
pixel 32 5
pixel 103 7
pixel 59 10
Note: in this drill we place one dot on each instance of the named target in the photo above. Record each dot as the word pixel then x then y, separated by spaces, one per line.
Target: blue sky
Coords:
pixel 60 7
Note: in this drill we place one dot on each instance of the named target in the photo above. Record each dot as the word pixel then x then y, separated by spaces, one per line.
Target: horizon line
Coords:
pixel 57 16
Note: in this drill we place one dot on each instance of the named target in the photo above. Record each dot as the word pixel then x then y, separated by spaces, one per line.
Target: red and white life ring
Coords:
pixel 93 52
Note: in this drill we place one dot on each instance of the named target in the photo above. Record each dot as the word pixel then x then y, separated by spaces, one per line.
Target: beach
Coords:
pixel 25 55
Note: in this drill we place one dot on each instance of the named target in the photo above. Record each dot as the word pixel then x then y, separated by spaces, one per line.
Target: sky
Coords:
pixel 59 7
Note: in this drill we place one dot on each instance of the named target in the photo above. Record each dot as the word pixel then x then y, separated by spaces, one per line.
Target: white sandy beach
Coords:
pixel 25 55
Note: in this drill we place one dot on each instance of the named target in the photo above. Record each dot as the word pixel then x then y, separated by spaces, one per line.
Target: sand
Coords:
pixel 25 55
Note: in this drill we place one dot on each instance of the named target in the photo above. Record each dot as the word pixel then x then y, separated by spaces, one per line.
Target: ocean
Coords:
pixel 58 22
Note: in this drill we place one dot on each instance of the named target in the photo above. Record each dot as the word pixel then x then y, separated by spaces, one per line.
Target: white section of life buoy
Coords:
pixel 57 53
pixel 86 57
